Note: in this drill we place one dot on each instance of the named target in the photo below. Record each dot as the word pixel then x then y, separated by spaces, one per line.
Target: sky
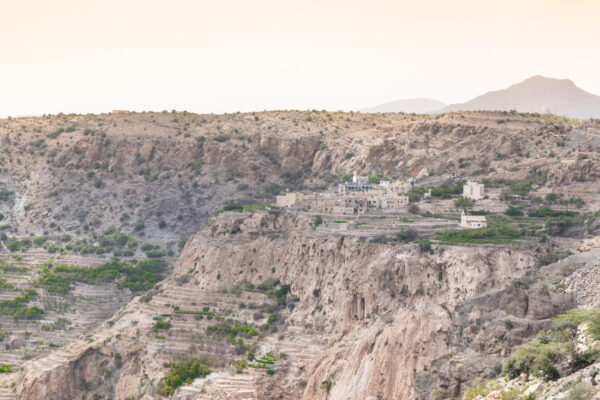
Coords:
pixel 88 56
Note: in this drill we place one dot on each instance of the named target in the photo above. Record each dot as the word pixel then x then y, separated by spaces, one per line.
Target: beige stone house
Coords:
pixel 474 190
pixel 472 221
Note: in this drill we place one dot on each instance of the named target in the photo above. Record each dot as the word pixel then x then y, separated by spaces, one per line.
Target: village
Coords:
pixel 360 196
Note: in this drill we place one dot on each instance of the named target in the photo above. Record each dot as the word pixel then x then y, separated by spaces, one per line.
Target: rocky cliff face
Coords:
pixel 375 316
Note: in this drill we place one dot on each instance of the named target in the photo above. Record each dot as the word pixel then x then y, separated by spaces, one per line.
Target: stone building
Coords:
pixel 354 197
pixel 288 199
pixel 472 221
pixel 473 190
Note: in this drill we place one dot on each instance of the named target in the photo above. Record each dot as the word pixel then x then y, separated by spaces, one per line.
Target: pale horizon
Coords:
pixel 215 57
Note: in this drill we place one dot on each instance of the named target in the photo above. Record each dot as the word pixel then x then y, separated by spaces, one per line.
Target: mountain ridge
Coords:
pixel 536 94
pixel 420 105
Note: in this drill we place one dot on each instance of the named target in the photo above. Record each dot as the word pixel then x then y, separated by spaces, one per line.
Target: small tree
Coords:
pixel 464 202
pixel 318 221
pixel 552 197
pixel 513 212
pixel 375 179
pixel 424 245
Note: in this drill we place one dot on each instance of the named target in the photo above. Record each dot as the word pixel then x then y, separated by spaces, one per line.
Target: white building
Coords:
pixel 473 190
pixel 359 179
pixel 472 221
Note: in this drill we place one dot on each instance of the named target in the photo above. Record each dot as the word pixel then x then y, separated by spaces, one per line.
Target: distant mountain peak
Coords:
pixel 537 94
pixel 542 80
pixel 418 106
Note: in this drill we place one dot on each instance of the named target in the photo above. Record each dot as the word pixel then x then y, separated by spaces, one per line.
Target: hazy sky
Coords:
pixel 242 55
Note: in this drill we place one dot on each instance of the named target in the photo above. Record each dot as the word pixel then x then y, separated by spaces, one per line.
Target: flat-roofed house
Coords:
pixel 399 187
pixel 473 190
pixel 287 200
pixel 394 202
pixel 472 221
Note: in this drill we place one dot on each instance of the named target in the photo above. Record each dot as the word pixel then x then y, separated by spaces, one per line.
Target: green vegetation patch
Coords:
pixel 137 278
pixel 160 324
pixel 18 309
pixel 4 285
pixel 182 372
pixel 59 324
pixel 273 288
pixel 553 353
pixel 512 211
pixel 445 190
pixel 231 329
pixel 205 312
pixel 545 212
pixel 247 208
pixel 14 244
pixel 494 233
pixel 5 368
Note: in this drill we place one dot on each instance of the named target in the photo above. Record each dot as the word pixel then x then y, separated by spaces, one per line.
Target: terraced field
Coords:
pixel 191 312
pixel 59 318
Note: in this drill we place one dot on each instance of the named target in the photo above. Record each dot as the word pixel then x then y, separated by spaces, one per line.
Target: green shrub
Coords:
pixel 481 389
pixel 229 329
pixel 155 253
pixel 272 287
pixel 463 202
pixel 221 138
pixel 552 197
pixel 139 226
pixel 182 372
pixel 513 212
pixel 161 325
pixel 39 240
pixel 5 368
pixel 5 285
pixel 447 189
pixel 56 133
pixel 136 278
pixel 496 233
pixel 543 212
pixel 581 391
pixel 14 244
pixel 18 309
pixel 375 179
pixel 233 207
pixel 272 189
pixel 406 236
pixel 413 209
pixel 424 245
pixel 557 346
pixel 318 221
pixel 292 177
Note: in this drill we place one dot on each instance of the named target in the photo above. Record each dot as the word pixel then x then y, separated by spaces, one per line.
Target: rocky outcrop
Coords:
pixel 380 314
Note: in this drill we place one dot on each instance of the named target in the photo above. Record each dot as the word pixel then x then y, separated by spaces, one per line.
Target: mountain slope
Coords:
pixel 418 106
pixel 537 94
